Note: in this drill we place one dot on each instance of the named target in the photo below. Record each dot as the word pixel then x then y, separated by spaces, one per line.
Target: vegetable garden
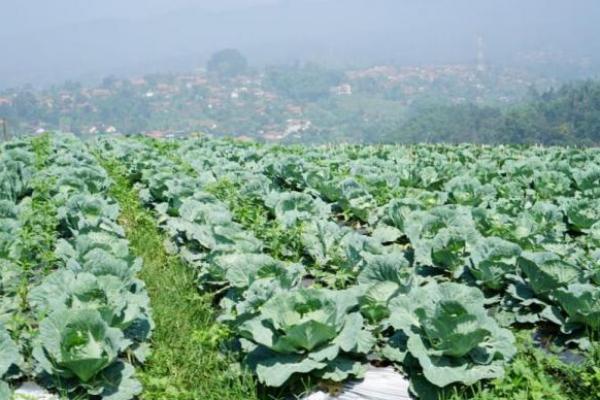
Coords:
pixel 460 266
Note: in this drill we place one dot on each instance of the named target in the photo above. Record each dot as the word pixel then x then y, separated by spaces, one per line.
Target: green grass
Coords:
pixel 186 361
pixel 40 220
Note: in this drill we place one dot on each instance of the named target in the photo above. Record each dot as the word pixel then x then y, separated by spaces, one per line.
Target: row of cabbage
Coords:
pixel 16 171
pixel 90 314
pixel 290 324
pixel 522 224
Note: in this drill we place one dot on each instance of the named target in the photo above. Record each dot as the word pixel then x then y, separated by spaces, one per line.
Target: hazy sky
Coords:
pixel 26 15
pixel 47 41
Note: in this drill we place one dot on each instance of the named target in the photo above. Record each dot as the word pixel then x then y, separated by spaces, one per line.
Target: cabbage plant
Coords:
pixel 83 211
pixel 469 191
pixel 251 280
pixel 307 331
pixel 546 271
pixel 583 213
pixel 442 237
pixel 293 207
pixel 445 336
pixel 581 302
pixel 382 279
pixel 9 352
pixel 492 259
pixel 121 305
pixel 5 392
pixel 78 351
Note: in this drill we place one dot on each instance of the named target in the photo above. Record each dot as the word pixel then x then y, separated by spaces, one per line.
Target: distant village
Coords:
pixel 246 106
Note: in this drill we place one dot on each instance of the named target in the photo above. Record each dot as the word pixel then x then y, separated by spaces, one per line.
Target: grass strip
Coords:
pixel 40 222
pixel 186 361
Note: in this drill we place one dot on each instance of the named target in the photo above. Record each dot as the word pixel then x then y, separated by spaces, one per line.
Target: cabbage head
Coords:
pixel 79 351
pixel 307 331
pixel 77 343
pixel 9 352
pixel 445 334
pixel 581 302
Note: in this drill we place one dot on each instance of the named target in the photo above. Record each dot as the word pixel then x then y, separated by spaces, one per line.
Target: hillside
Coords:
pixel 310 104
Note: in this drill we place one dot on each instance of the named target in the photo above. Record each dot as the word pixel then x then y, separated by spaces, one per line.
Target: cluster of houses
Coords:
pixel 203 104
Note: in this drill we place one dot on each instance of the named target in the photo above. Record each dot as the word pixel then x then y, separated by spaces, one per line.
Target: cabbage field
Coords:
pixel 315 262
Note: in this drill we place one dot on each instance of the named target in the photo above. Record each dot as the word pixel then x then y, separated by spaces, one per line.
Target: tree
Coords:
pixel 27 106
pixel 310 82
pixel 227 63
pixel 109 81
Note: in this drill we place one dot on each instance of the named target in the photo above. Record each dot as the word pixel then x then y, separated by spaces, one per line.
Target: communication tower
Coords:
pixel 480 54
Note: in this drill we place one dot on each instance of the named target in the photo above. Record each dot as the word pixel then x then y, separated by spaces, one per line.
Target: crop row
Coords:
pixel 287 323
pixel 564 223
pixel 520 224
pixel 17 168
pixel 87 315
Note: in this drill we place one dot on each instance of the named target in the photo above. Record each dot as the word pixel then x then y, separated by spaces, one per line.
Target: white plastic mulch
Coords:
pixel 378 384
pixel 31 391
